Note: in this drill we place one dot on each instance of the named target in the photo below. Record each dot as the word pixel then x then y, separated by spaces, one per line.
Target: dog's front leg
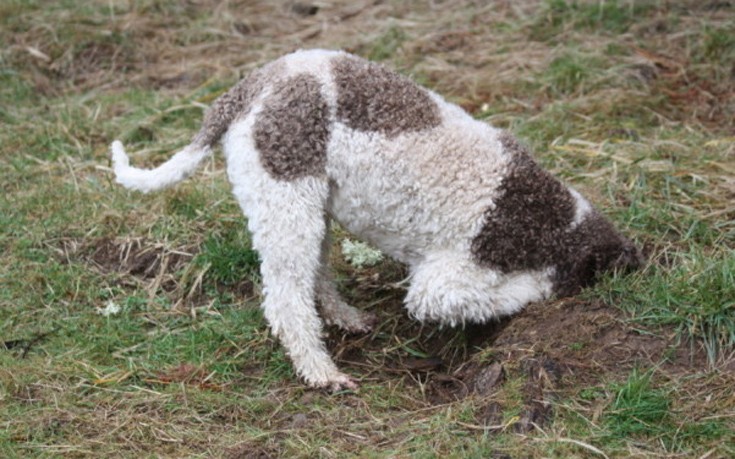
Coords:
pixel 288 231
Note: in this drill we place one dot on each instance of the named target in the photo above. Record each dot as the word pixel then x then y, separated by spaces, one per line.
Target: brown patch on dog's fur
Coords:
pixel 371 98
pixel 292 131
pixel 534 209
pixel 234 103
pixel 530 228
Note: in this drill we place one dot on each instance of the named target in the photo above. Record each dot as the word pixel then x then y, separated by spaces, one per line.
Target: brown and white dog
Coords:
pixel 322 134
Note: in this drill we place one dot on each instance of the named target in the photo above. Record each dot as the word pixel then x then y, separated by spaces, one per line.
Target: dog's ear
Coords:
pixel 583 269
pixel 630 259
pixel 593 248
pixel 575 274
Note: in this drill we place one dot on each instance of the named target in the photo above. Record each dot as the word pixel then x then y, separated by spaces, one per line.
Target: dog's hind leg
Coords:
pixel 288 229
pixel 334 309
pixel 449 287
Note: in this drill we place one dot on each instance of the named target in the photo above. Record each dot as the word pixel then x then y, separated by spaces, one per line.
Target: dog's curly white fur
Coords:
pixel 322 134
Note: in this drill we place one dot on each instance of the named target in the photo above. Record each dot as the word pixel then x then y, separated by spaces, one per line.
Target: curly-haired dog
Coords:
pixel 323 134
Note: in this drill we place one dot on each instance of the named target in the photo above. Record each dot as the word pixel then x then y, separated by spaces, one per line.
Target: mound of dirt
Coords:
pixel 550 348
pixel 583 337
pixel 554 347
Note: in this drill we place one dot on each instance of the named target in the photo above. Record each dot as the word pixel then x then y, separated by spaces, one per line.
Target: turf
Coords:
pixel 130 326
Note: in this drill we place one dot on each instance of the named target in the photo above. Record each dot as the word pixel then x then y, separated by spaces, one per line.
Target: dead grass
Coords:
pixel 632 102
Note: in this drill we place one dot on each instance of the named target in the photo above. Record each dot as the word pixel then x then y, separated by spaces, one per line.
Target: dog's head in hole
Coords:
pixel 323 135
pixel 537 221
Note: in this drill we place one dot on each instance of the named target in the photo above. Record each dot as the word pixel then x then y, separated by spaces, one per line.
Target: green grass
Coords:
pixel 696 296
pixel 637 408
pixel 386 45
pixel 641 410
pixel 228 257
pixel 718 43
pixel 568 73
pixel 612 16
pixel 628 101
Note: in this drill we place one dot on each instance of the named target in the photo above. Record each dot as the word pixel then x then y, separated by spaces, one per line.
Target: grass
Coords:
pixel 638 409
pixel 696 296
pixel 612 17
pixel 631 102
pixel 228 257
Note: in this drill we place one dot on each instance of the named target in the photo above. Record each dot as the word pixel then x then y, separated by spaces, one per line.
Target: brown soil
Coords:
pixel 561 346
pixel 136 257
pixel 135 261
pixel 553 347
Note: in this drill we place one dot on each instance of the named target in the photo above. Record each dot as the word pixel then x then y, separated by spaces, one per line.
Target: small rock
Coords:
pixel 488 379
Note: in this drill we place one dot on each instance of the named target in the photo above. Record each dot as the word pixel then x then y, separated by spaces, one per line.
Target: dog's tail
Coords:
pixel 176 169
pixel 217 120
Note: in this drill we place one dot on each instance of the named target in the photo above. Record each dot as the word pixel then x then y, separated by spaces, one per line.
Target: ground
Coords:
pixel 129 323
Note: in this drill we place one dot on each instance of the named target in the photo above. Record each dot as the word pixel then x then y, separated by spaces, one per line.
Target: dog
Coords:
pixel 319 135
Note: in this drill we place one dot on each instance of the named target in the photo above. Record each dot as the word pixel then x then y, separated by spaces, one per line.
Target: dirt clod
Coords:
pixel 488 379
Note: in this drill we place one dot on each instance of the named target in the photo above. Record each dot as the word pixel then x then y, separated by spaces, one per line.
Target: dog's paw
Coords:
pixel 365 324
pixel 341 383
pixel 354 321
pixel 335 383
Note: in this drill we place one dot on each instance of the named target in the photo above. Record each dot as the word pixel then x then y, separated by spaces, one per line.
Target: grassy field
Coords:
pixel 129 323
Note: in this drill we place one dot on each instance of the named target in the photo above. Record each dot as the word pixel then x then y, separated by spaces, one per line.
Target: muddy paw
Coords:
pixel 358 322
pixel 341 383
